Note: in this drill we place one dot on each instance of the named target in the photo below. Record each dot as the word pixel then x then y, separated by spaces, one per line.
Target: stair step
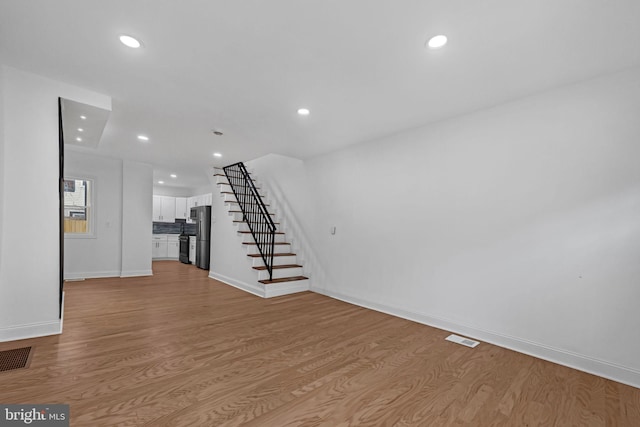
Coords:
pixel 260 232
pixel 233 194
pixel 248 203
pixel 241 212
pixel 241 222
pixel 278 267
pixel 283 279
pixel 259 256
pixel 276 243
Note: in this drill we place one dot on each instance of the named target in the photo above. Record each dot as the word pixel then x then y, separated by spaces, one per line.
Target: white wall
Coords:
pixel 518 225
pixel 284 183
pixel 122 245
pixel 30 271
pixel 205 189
pixel 2 130
pixel 101 255
pixel 228 256
pixel 137 187
pixel 160 190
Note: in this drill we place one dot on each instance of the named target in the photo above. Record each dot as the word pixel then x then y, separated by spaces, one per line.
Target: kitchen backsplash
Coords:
pixel 175 228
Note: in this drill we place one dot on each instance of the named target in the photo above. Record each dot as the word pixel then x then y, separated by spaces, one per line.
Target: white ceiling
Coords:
pixel 360 66
pixel 83 124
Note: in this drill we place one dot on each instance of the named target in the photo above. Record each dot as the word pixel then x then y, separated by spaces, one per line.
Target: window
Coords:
pixel 78 208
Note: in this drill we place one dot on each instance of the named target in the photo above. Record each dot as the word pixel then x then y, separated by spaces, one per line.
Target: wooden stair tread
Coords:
pixel 260 256
pixel 283 279
pixel 231 192
pixel 260 232
pixel 278 267
pixel 240 222
pixel 241 212
pixel 248 203
pixel 276 243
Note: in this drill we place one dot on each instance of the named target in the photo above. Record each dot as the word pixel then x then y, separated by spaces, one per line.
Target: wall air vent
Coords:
pixel 462 340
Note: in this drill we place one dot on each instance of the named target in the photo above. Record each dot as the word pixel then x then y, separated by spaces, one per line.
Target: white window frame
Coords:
pixel 91 220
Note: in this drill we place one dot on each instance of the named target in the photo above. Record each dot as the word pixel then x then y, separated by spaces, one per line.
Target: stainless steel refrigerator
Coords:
pixel 202 216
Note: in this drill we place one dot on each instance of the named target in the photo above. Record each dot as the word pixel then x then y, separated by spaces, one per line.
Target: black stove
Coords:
pixel 184 248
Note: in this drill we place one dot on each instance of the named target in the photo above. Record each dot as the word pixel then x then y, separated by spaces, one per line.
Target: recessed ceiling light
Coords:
pixel 217 155
pixel 173 175
pixel 303 111
pixel 83 117
pixel 143 137
pixel 130 41
pixel 160 182
pixel 80 130
pixel 437 42
pixel 79 139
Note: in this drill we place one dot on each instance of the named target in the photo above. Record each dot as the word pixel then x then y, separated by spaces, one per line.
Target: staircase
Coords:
pixel 271 257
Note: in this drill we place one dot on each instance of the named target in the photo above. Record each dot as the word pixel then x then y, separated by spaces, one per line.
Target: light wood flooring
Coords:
pixel 180 349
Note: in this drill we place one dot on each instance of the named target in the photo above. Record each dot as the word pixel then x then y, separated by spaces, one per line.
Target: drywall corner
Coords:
pixel 137 191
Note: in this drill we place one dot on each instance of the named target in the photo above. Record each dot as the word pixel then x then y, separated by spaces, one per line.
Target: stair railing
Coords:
pixel 254 212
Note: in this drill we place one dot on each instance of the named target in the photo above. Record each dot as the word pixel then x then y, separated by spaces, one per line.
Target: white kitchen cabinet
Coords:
pixel 168 209
pixel 165 246
pixel 157 208
pixel 204 199
pixel 181 208
pixel 191 202
pixel 200 200
pixel 164 209
pixel 159 248
pixel 192 249
pixel 173 246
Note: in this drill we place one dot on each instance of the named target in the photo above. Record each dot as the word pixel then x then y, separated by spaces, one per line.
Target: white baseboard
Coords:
pixel 91 275
pixel 136 273
pixel 103 274
pixel 33 330
pixel 580 362
pixel 251 288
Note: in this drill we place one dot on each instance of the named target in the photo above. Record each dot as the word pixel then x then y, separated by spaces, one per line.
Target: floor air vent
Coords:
pixel 16 358
pixel 462 340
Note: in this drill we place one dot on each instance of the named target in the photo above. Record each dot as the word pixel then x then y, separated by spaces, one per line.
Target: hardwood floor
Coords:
pixel 180 349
